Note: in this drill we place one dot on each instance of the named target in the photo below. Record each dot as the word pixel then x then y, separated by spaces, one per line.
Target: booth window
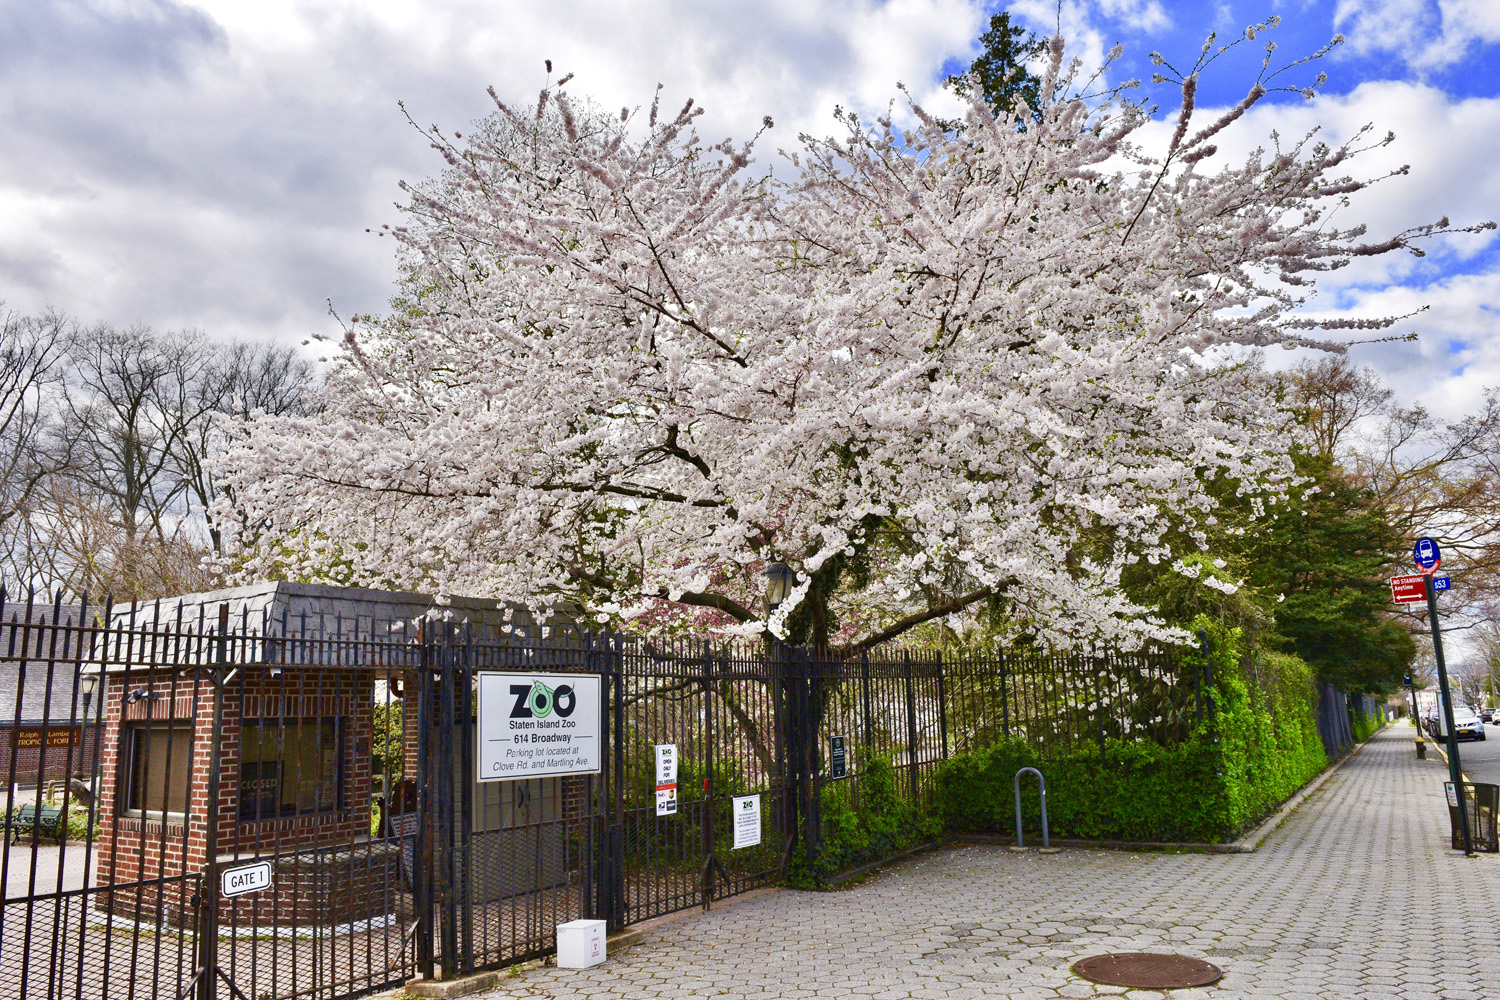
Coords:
pixel 290 767
pixel 159 766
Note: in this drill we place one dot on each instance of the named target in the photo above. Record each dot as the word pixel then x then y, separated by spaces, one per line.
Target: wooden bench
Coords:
pixel 26 821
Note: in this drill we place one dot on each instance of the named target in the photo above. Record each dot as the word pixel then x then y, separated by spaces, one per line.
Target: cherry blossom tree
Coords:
pixel 931 369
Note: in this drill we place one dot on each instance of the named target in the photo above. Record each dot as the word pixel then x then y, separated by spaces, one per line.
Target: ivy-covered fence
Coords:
pixel 1167 746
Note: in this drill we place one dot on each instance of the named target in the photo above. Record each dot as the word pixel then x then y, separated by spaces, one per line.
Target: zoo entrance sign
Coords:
pixel 536 725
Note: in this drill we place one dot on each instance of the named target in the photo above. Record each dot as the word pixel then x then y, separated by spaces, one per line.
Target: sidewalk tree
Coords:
pixel 1327 559
pixel 949 367
pixel 1429 476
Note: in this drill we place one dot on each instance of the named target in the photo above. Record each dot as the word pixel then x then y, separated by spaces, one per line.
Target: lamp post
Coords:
pixel 1416 718
pixel 87 684
pixel 778 584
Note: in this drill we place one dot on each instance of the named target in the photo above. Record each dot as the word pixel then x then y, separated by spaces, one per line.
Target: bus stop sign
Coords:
pixel 1427 555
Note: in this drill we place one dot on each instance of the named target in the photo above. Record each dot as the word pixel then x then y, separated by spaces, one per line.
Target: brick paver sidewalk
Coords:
pixel 1357 895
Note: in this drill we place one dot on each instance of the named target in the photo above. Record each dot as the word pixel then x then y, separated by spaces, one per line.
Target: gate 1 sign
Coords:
pixel 537 725
pixel 746 820
pixel 245 878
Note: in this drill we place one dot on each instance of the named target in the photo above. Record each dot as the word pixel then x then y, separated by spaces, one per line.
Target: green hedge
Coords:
pixel 863 822
pixel 1363 725
pixel 1260 745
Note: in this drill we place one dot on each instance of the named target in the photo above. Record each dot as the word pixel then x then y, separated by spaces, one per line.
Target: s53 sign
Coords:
pixel 536 725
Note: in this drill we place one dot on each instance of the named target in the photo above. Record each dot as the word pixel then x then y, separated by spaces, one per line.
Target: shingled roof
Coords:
pixel 33 644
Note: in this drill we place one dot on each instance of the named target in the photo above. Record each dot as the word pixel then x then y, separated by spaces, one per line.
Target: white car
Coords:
pixel 1467 725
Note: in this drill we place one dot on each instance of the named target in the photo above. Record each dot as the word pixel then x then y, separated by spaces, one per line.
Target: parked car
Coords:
pixel 1429 721
pixel 1466 724
pixel 1487 715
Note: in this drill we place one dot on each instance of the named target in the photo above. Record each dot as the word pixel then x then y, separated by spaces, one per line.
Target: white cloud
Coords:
pixel 1427 34
pixel 1450 147
pixel 217 165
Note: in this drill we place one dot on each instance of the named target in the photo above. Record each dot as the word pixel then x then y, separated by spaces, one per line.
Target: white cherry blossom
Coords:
pixel 631 368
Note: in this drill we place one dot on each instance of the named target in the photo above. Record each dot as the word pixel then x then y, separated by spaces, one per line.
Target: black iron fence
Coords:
pixel 306 807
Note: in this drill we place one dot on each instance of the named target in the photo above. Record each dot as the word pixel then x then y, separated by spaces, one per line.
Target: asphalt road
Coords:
pixel 1481 761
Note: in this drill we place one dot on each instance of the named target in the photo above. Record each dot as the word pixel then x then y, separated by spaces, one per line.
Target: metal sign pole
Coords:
pixel 1455 773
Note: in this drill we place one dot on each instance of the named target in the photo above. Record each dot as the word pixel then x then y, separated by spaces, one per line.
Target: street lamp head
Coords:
pixel 778 583
pixel 87 685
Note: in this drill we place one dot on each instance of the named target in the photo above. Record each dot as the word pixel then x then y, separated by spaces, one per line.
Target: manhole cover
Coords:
pixel 1146 971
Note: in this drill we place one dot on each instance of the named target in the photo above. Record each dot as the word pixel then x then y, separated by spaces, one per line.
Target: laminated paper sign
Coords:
pixel 746 820
pixel 666 779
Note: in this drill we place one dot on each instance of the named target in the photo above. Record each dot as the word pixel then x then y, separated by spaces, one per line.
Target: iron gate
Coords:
pixel 287 809
pixel 278 808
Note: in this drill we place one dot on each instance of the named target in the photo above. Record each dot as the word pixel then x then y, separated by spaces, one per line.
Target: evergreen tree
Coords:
pixel 1000 71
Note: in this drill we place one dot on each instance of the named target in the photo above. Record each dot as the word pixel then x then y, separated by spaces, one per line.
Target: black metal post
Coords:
pixel 1004 696
pixel 706 874
pixel 617 833
pixel 1455 773
pixel 603 870
pixel 864 681
pixel 208 888
pixel 942 693
pixel 911 729
pixel 464 673
pixel 445 858
pixel 1416 720
pixel 807 751
pixel 422 870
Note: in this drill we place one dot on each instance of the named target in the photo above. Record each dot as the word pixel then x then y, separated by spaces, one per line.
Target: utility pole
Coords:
pixel 1428 558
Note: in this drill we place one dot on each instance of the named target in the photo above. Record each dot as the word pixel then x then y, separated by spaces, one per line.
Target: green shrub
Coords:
pixel 1364 726
pixel 78 822
pixel 865 818
pixel 1258 744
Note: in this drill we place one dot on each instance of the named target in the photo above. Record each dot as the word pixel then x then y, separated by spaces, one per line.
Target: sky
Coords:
pixel 220 164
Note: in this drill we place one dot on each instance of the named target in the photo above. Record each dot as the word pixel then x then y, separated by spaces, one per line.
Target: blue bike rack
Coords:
pixel 1042 784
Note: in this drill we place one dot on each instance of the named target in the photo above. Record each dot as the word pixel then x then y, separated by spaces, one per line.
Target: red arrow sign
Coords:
pixel 1409 589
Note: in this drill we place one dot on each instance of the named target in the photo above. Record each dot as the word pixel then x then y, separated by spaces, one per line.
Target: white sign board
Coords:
pixel 666 779
pixel 746 820
pixel 245 878
pixel 535 725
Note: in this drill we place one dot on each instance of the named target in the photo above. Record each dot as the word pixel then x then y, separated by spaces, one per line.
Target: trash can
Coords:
pixel 1483 802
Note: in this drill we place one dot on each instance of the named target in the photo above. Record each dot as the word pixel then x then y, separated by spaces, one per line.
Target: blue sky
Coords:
pixel 216 164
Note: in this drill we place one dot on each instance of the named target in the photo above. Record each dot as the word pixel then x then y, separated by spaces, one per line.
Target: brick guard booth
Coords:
pixel 312 667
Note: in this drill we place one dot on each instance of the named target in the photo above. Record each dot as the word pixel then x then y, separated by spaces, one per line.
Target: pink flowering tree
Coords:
pixel 929 368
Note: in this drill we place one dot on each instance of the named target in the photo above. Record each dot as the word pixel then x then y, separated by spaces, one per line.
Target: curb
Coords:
pixel 865 869
pixel 479 982
pixel 1444 754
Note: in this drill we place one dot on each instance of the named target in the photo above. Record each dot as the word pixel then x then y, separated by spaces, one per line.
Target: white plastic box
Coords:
pixel 580 944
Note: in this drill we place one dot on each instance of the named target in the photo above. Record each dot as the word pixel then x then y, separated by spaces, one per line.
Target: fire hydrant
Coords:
pixel 1421 749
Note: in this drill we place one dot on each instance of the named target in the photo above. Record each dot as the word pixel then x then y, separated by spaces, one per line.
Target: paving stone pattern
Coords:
pixel 1341 901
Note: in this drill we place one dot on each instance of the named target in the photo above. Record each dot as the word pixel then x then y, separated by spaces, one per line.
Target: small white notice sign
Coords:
pixel 666 779
pixel 746 820
pixel 241 879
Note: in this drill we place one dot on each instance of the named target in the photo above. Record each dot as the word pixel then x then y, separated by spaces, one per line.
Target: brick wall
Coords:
pixel 61 761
